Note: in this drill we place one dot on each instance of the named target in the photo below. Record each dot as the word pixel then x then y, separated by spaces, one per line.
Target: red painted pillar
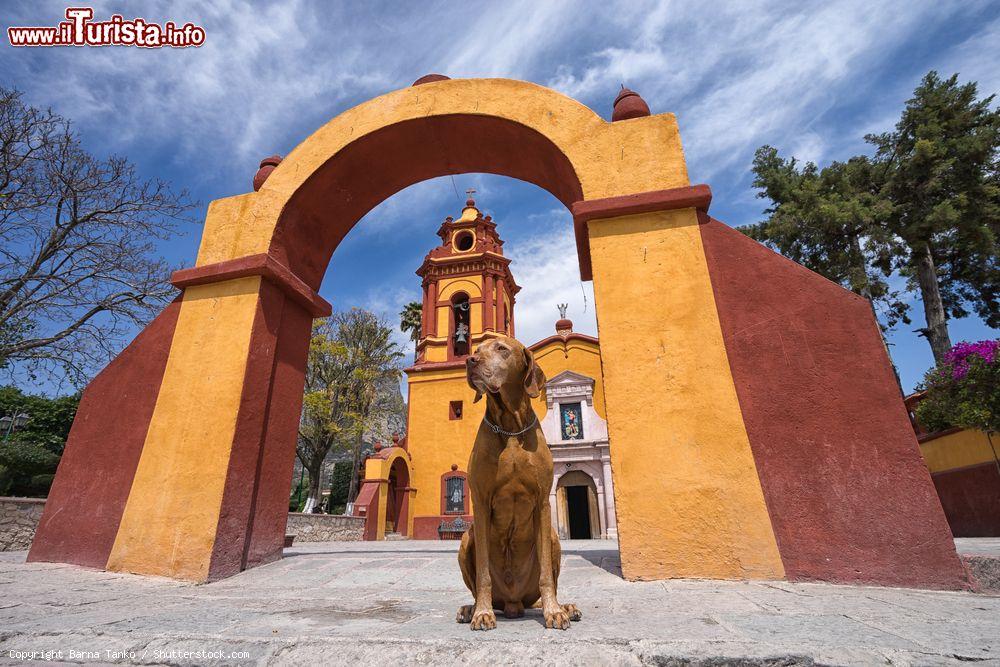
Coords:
pixel 403 520
pixel 499 302
pixel 488 308
pixel 423 314
pixel 431 307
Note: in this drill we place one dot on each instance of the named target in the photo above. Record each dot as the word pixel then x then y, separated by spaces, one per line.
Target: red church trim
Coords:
pixel 256 265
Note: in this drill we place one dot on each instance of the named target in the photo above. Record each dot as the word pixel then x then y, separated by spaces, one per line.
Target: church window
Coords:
pixel 454 501
pixel 571 421
pixel 464 241
pixel 455 410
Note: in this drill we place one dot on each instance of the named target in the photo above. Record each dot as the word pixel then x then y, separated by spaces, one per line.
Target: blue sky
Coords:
pixel 809 78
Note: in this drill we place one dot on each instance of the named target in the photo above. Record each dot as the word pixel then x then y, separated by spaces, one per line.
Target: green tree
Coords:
pixel 410 321
pixel 349 355
pixel 340 485
pixel 943 184
pixel 926 205
pixel 30 454
pixel 823 219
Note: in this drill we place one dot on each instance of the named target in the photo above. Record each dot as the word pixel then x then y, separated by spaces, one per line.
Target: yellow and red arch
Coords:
pixel 755 427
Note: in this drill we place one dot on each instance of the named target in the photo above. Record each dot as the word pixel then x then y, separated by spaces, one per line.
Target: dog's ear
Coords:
pixel 534 378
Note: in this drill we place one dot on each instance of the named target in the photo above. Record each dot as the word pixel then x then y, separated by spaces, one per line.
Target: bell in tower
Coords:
pixel 468 290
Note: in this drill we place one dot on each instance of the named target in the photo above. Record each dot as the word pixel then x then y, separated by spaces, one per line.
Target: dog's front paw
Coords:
pixel 557 620
pixel 464 614
pixel 484 620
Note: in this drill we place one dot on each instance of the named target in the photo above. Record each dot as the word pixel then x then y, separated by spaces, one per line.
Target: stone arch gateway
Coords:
pixel 777 446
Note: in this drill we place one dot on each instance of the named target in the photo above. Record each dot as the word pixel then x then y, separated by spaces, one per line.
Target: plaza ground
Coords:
pixel 384 603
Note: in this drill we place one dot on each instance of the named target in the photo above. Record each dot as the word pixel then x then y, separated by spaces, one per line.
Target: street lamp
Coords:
pixel 10 423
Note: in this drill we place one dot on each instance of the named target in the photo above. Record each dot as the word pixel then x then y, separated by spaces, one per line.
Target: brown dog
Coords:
pixel 510 557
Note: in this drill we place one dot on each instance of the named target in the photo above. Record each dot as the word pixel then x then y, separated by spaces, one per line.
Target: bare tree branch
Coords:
pixel 77 240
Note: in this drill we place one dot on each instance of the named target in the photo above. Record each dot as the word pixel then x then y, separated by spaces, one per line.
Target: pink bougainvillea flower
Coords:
pixel 959 356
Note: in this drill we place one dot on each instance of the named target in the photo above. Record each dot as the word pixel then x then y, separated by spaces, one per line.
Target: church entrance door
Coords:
pixel 579 513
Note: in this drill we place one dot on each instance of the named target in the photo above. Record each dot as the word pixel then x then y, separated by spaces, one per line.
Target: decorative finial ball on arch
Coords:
pixel 628 105
pixel 430 78
pixel 267 165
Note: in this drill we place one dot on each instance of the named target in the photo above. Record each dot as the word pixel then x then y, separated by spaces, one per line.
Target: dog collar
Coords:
pixel 499 431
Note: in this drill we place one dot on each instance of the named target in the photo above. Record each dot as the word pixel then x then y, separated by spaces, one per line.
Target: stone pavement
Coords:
pixel 383 603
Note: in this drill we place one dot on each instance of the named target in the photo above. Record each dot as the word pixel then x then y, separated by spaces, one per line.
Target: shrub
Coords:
pixel 964 390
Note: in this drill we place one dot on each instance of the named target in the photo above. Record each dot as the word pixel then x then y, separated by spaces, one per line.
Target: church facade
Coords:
pixel 469 296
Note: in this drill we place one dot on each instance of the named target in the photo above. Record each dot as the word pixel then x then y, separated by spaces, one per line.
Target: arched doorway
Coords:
pixel 577 514
pixel 399 482
pixel 384 499
pixel 180 459
pixel 459 337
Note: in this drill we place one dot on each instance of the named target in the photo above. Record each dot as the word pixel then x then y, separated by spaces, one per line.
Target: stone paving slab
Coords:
pixel 384 603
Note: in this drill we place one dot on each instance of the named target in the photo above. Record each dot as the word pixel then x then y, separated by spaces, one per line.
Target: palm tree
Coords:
pixel 410 321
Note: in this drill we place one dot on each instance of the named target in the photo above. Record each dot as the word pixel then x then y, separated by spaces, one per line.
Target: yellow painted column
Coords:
pixel 169 524
pixel 687 494
pixel 377 470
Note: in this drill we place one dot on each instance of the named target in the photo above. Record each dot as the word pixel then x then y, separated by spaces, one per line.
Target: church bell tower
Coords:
pixel 468 289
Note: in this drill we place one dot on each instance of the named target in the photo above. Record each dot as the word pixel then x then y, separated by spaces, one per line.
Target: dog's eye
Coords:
pixel 505 351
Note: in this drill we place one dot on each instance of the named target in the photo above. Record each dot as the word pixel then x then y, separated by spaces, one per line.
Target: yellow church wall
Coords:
pixel 442 322
pixel 578 356
pixel 687 494
pixel 470 285
pixel 957 450
pixel 436 442
pixel 475 318
pixel 436 353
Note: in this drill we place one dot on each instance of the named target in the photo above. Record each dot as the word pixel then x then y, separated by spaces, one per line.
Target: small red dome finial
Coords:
pixel 267 165
pixel 454 467
pixel 430 78
pixel 628 105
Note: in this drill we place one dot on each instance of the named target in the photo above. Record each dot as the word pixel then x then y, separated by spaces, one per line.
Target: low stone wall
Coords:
pixel 325 527
pixel 18 519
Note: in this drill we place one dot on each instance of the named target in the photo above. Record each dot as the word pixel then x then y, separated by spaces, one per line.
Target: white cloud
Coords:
pixel 240 96
pixel 545 265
